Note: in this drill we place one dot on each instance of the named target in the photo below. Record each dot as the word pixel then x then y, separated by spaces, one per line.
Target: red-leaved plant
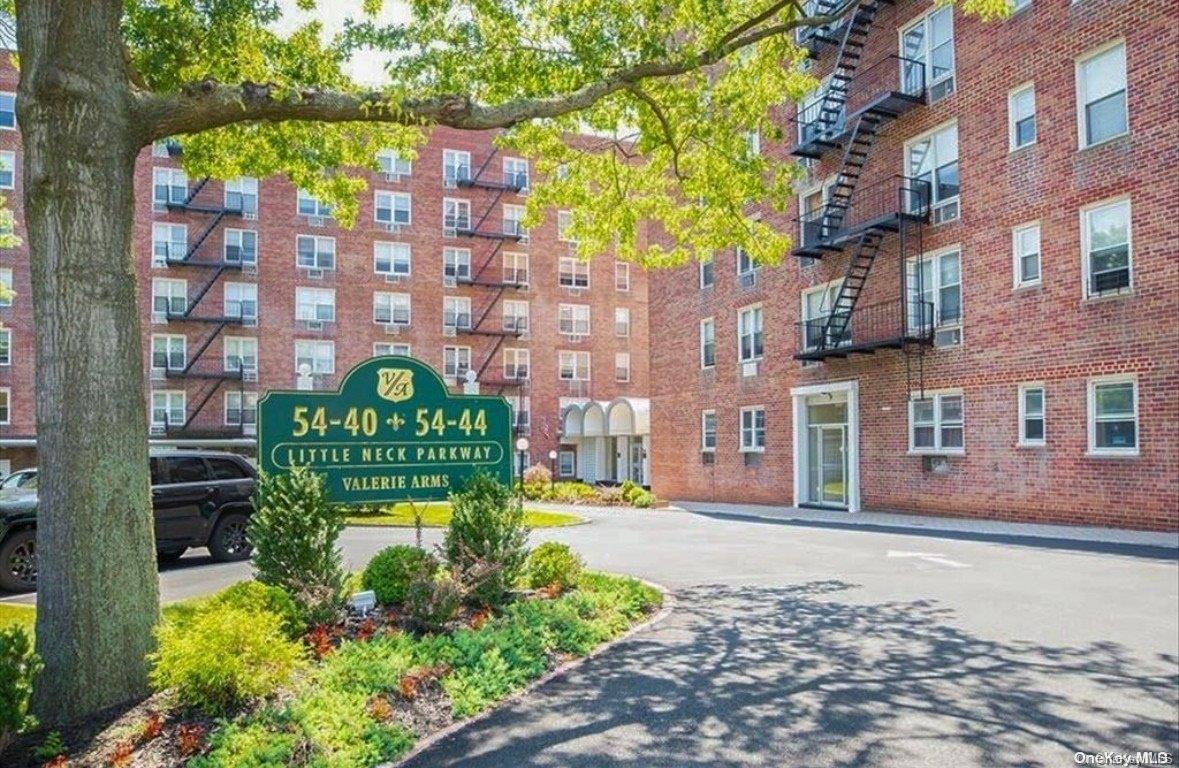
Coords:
pixel 190 739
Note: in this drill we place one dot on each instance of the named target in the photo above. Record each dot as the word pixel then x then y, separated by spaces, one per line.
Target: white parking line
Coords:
pixel 929 557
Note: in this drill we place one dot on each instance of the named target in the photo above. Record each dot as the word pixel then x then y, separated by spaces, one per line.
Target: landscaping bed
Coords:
pixel 437 515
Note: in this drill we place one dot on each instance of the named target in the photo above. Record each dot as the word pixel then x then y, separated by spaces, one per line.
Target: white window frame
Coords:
pixel 395 252
pixel 395 301
pixel 317 346
pixel 519 321
pixel 709 323
pixel 1082 120
pixel 240 235
pixel 392 163
pixel 911 283
pixel 1017 255
pixel 937 449
pixel 622 367
pixel 622 322
pixel 576 269
pixel 241 342
pixel 168 339
pixel 512 268
pixel 576 356
pixel 937 204
pixel 458 205
pixel 752 431
pixel 458 260
pixel 250 296
pixel 384 199
pixel 451 361
pixel 561 456
pixel 829 290
pixel 160 227
pixel 744 259
pixel 169 406
pixel 1024 389
pixel 6 281
pixel 317 295
pixel 702 264
pixel 512 220
pixel 170 289
pixel 246 187
pixel 247 403
pixel 511 176
pixel 578 316
pixel 457 307
pixel 515 358
pixel 622 276
pixel 1086 281
pixel 705 432
pixel 1013 119
pixel 1091 415
pixel 452 161
pixel 8 163
pixel 382 348
pixel 564 221
pixel 5 405
pixel 6 345
pixel 754 356
pixel 11 97
pixel 322 209
pixel 926 56
pixel 173 174
pixel 317 253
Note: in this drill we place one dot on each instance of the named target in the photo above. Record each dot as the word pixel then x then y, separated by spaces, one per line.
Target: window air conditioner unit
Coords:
pixel 449 281
pixel 315 274
pixel 313 325
pixel 389 176
pixel 249 322
pixel 449 232
pixel 249 429
pixel 938 465
pixel 707 457
pixel 158 430
pixel 392 278
pixel 250 215
pixel 749 369
pixel 159 317
pixel 159 261
pixel 158 207
pixel 393 329
pixel 523 237
pixel 449 183
pixel 449 330
pixel 158 374
pixel 249 374
pixel 316 221
pixel 748 279
pixel 249 267
pixel 393 227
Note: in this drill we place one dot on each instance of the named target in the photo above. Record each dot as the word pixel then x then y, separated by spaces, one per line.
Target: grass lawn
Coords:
pixel 15 613
pixel 437 515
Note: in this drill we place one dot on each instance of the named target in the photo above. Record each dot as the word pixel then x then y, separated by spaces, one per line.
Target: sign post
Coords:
pixel 392 432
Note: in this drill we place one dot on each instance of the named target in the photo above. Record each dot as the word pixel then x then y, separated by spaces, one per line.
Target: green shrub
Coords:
pixel 537 491
pixel 537 474
pixel 642 499
pixel 553 565
pixel 432 601
pixel 372 667
pixel 571 492
pixel 342 734
pixel 629 489
pixel 254 596
pixel 18 665
pixel 223 656
pixel 50 747
pixel 486 541
pixel 390 573
pixel 610 496
pixel 294 530
pixel 263 742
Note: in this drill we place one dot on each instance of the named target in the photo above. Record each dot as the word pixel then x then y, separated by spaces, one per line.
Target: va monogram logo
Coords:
pixel 395 384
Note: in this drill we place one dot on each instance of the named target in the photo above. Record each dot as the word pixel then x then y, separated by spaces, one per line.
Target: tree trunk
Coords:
pixel 97 584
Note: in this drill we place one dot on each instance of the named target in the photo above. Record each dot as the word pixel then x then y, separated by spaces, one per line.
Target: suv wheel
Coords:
pixel 18 562
pixel 228 541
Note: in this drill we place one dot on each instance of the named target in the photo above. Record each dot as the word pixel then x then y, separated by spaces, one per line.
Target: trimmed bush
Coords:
pixel 433 601
pixel 18 665
pixel 294 530
pixel 642 499
pixel 486 541
pixel 390 573
pixel 553 565
pixel 254 596
pixel 223 656
pixel 537 474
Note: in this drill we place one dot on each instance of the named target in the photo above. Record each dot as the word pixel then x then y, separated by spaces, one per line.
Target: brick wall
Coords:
pixel 1048 334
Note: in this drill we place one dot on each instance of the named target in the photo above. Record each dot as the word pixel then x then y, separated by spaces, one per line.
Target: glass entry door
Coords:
pixel 637 459
pixel 827 459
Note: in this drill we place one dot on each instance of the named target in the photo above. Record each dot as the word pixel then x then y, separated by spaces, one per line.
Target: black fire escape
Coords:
pixel 492 282
pixel 847 117
pixel 202 378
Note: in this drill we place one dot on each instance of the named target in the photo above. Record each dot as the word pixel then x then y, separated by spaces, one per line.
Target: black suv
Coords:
pixel 200 499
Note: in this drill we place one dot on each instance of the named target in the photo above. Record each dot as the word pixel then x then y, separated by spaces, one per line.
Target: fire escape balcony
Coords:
pixel 462 227
pixel 505 181
pixel 888 324
pixel 879 207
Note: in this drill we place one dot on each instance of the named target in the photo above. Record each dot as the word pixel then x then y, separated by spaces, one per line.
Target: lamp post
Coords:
pixel 552 469
pixel 521 448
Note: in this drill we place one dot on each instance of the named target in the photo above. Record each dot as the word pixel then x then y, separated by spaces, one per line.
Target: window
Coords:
pixel 456 312
pixel 521 412
pixel 241 194
pixel 167 408
pixel 456 166
pixel 5 403
pixel 393 164
pixel 707 342
pixel 708 431
pixel 516 268
pixel 622 366
pixel 1019 5
pixel 622 322
pixel 456 214
pixel 749 334
pixel 169 352
pixel 745 263
pixel 516 363
pixel 241 408
pixel 707 273
pixel 319 357
pixel 241 246
pixel 162 147
pixel 315 304
pixel 456 361
pixel 186 469
pixel 308 205
pixel 621 276
pixel 516 316
pixel 573 366
pixel 391 259
pixel 932 162
pixel 1105 243
pixel 169 185
pixel 169 296
pixel 5 346
pixel 391 308
pixel 927 51
pixel 6 281
pixel 811 206
pixel 241 354
pixel 1031 414
pixel 241 300
pixel 382 348
pixel 935 423
pixel 392 208
pixel 1021 116
pixel 935 295
pixel 315 252
pixel 567 463
pixel 572 272
pixel 1101 96
pixel 1113 416
pixel 169 242
pixel 564 222
pixel 753 430
pixel 8 111
pixel 513 221
pixel 1025 243
pixel 516 172
pixel 456 263
pixel 573 319
pixel 817 306
pixel 7 170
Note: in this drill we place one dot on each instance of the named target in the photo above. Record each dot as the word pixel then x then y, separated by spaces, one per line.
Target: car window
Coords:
pixel 225 469
pixel 12 481
pixel 30 483
pixel 186 469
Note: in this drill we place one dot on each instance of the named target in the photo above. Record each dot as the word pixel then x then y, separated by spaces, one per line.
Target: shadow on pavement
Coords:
pixel 786 676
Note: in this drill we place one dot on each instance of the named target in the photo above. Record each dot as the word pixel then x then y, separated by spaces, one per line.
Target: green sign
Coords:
pixel 392 432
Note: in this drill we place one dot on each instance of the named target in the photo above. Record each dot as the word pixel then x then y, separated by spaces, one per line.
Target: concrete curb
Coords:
pixel 664 611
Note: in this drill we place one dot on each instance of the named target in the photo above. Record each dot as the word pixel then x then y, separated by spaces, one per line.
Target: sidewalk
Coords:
pixel 932 525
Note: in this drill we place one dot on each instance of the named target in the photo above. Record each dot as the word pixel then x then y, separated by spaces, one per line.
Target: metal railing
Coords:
pixel 889 74
pixel 883 200
pixel 885 322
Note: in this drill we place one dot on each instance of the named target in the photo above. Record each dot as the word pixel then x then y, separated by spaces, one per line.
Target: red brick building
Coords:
pixel 981 316
pixel 250 285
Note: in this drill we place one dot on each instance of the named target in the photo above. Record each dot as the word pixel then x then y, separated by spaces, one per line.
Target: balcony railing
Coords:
pixel 886 324
pixel 881 204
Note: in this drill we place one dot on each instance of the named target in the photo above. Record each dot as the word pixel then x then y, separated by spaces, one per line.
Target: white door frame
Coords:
pixel 798 396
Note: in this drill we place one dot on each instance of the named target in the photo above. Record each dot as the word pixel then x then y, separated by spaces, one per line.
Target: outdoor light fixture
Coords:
pixel 552 468
pixel 521 449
